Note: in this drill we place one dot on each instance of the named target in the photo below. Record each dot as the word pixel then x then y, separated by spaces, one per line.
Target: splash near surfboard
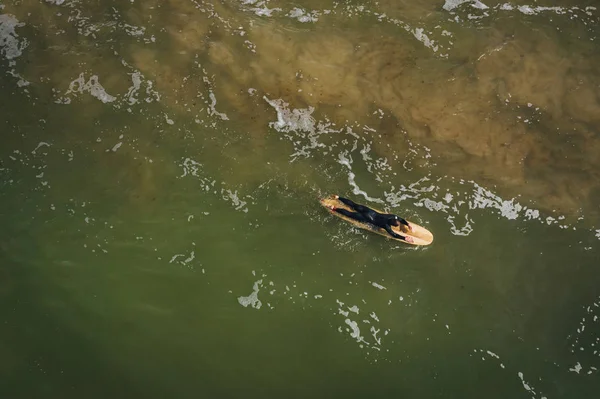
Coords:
pixel 420 235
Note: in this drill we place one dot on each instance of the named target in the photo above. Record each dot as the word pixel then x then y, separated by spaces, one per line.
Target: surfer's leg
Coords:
pixel 357 207
pixel 353 215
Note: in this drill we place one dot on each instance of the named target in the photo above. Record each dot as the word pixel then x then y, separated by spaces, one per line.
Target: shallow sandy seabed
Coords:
pixel 522 115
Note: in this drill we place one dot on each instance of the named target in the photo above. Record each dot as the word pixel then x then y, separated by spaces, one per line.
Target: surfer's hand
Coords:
pixel 332 207
pixel 409 239
pixel 409 227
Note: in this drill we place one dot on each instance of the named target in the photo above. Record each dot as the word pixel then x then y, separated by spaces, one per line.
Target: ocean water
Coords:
pixel 160 169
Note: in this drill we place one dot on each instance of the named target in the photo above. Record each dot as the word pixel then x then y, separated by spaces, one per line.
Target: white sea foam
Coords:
pixel 252 299
pixel 355 329
pixel 91 86
pixel 10 45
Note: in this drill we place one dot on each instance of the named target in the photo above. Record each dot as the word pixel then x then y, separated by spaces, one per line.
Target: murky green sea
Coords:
pixel 160 169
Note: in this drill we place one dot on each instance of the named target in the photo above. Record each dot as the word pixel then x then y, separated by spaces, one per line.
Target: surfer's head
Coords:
pixel 397 221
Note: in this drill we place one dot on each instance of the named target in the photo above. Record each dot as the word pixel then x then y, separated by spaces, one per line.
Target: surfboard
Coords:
pixel 419 234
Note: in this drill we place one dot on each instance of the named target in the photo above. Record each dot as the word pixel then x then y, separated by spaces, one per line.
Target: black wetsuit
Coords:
pixel 367 215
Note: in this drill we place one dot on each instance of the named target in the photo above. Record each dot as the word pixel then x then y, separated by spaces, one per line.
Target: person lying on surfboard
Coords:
pixel 364 214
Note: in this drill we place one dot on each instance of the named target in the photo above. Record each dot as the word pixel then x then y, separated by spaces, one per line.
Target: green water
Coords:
pixel 160 169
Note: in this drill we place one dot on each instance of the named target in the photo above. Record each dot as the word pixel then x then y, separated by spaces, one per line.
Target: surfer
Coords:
pixel 364 214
